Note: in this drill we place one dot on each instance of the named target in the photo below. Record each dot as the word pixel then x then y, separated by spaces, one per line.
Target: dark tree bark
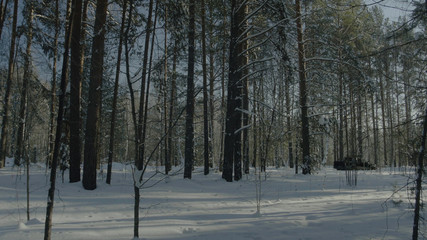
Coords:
pixel 25 81
pixel 305 134
pixel 233 123
pixel 116 88
pixel 206 147
pixel 223 105
pixel 245 97
pixel 6 100
pixel 59 125
pixel 189 128
pixel 75 93
pixel 420 170
pixel 91 148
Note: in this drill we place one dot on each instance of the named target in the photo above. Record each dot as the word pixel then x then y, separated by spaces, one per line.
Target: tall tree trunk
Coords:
pixel 389 103
pixel 420 170
pixel 91 148
pixel 165 97
pixel 341 115
pixel 245 104
pixel 375 129
pixel 383 117
pixel 142 120
pixel 359 121
pixel 288 117
pixel 59 125
pixel 6 101
pixel 189 128
pixel 53 88
pixel 211 87
pixel 223 105
pixel 141 148
pixel 27 76
pixel 172 108
pixel 206 147
pixel 408 109
pixel 75 93
pixel 2 14
pixel 129 80
pixel 233 141
pixel 116 88
pixel 255 126
pixel 305 135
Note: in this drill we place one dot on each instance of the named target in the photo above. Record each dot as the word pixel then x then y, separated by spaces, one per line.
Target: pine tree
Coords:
pixel 189 128
pixel 76 69
pixel 91 152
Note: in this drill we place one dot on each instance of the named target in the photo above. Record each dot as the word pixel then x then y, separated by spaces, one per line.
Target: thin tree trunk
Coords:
pixel 53 88
pixel 341 115
pixel 91 148
pixel 147 90
pixel 408 109
pixel 303 94
pixel 140 153
pixel 419 172
pixel 206 147
pixel 390 125
pixel 142 120
pixel 6 101
pixel 59 125
pixel 288 104
pixel 255 126
pixel 128 79
pixel 172 107
pixel 359 121
pixel 116 88
pixel 245 104
pixel 23 110
pixel 211 88
pixel 383 116
pixel 352 121
pixel 165 97
pixel 223 106
pixel 25 81
pixel 189 128
pixel 375 129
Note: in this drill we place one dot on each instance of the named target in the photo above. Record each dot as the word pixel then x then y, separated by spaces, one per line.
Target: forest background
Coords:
pixel 228 85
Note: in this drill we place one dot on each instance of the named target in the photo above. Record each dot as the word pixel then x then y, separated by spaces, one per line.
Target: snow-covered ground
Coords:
pixel 319 206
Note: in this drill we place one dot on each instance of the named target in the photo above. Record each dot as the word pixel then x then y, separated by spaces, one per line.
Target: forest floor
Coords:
pixel 318 206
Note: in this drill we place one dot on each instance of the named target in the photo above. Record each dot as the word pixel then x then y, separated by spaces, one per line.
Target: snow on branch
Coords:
pixel 245 111
pixel 242 128
pixel 254 46
pixel 250 15
pixel 253 73
pixel 255 62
